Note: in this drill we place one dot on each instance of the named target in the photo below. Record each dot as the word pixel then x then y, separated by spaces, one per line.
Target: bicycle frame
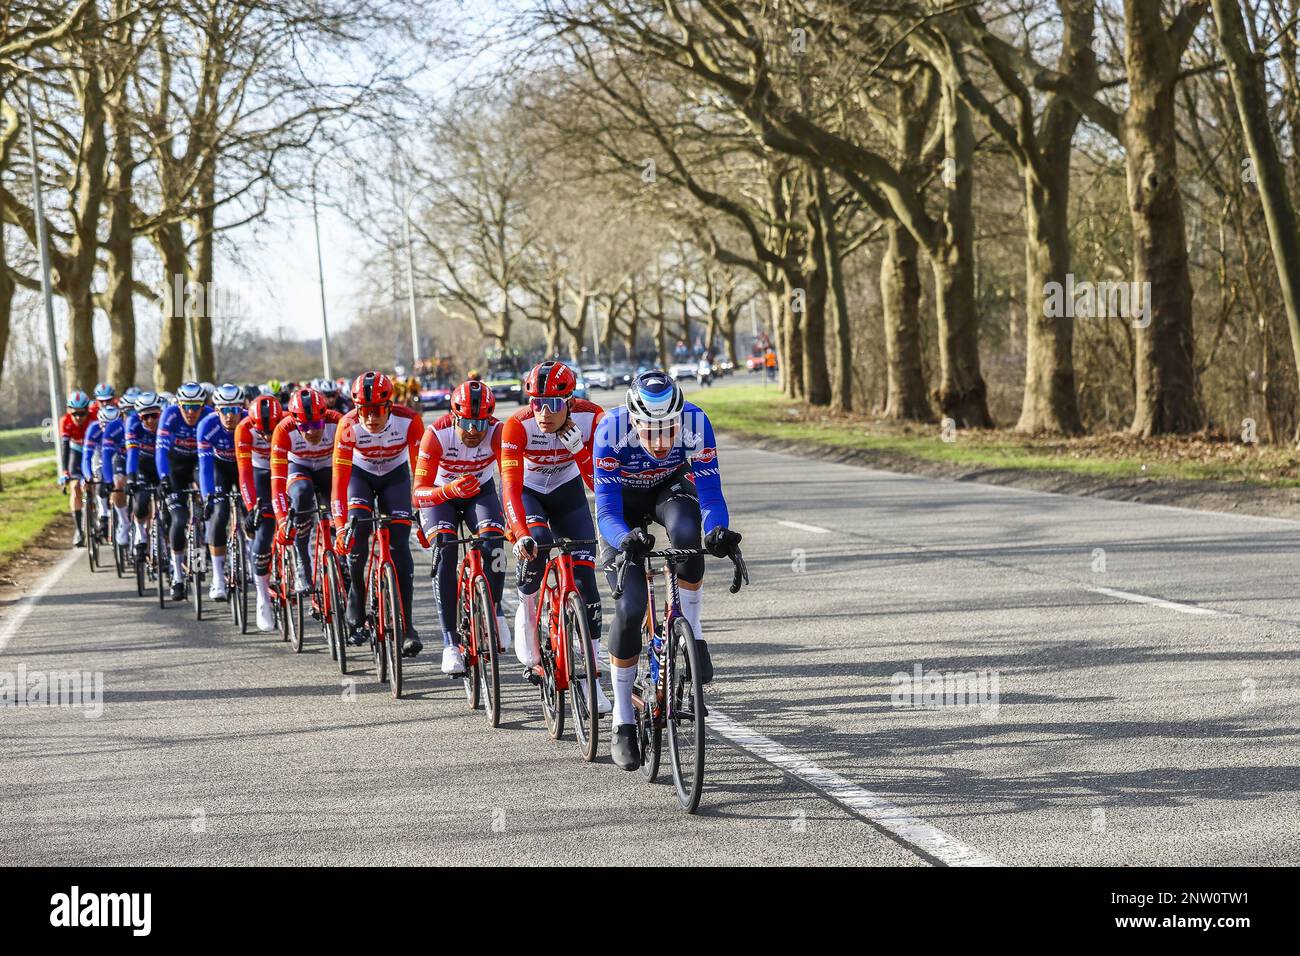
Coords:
pixel 557 581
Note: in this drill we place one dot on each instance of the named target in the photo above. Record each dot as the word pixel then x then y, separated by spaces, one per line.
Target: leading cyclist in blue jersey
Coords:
pixel 655 458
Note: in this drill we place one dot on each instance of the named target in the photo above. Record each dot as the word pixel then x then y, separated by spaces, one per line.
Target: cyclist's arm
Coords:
pixel 609 486
pixel 65 445
pixel 163 444
pixel 280 469
pixel 207 478
pixel 133 449
pixel 513 441
pixel 244 463
pixel 90 444
pixel 708 478
pixel 414 432
pixel 427 494
pixel 109 461
pixel 584 455
pixel 344 443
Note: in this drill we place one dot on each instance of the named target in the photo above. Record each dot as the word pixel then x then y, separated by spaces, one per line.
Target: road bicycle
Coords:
pixel 90 507
pixel 318 601
pixel 385 619
pixel 237 578
pixel 159 544
pixel 476 622
pixel 328 601
pixel 284 591
pixel 119 550
pixel 667 693
pixel 568 656
pixel 196 552
pixel 146 569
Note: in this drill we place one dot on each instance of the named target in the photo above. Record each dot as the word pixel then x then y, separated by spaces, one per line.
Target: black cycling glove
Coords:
pixel 636 544
pixel 721 542
pixel 251 520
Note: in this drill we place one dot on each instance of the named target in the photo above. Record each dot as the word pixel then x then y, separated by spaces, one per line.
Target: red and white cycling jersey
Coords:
pixel 252 450
pixel 289 444
pixel 380 452
pixel 531 458
pixel 446 457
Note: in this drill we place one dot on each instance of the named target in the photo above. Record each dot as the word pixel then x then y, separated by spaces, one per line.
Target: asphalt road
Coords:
pixel 1119 731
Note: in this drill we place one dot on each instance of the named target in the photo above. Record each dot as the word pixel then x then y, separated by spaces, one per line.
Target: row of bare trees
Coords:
pixel 161 126
pixel 960 171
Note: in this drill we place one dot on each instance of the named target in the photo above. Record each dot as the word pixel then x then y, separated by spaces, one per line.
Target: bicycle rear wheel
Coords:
pixel 161 558
pixel 195 556
pixel 582 676
pixel 119 556
pixel 394 628
pixel 484 622
pixel 685 707
pixel 92 528
pixel 552 696
pixel 293 600
pixel 142 566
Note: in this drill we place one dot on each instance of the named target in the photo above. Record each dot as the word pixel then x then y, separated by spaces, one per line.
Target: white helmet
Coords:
pixel 654 397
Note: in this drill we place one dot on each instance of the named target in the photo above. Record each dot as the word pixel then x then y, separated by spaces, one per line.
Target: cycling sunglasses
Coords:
pixel 311 426
pixel 472 424
pixel 229 409
pixel 149 416
pixel 78 412
pixel 376 407
pixel 192 407
pixel 550 404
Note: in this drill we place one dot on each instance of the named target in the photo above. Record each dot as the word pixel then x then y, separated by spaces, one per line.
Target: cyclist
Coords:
pixel 72 437
pixel 105 437
pixel 302 449
pixel 176 453
pixel 656 458
pixel 455 481
pixel 375 450
pixel 335 400
pixel 545 459
pixel 141 468
pixel 218 475
pixel 105 394
pixel 253 456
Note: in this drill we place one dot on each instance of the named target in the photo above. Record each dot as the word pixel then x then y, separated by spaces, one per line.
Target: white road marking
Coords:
pixel 804 527
pixel 1160 602
pixel 920 837
pixel 26 604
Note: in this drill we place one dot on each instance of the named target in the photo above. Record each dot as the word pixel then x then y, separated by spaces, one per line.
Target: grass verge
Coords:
pixel 29 503
pixel 16 442
pixel 751 411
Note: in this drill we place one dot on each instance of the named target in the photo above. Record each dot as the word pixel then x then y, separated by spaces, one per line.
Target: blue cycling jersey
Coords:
pixel 103 444
pixel 622 465
pixel 139 441
pixel 216 443
pixel 176 437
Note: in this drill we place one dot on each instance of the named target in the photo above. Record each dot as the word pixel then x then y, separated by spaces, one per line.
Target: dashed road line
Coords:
pixel 1160 602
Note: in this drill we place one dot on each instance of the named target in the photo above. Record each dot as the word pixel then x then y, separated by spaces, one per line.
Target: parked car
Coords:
pixel 681 370
pixel 506 385
pixel 435 393
pixel 597 376
pixel 620 376
pixel 581 389
pixel 754 363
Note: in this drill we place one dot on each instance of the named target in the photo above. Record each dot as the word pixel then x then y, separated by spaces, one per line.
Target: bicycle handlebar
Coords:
pixel 740 573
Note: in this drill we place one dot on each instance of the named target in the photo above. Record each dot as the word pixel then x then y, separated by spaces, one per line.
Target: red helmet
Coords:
pixel 265 412
pixel 307 405
pixel 473 399
pixel 550 380
pixel 372 388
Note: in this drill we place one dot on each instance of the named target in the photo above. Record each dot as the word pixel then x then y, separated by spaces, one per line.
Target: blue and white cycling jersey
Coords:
pixel 139 441
pixel 176 437
pixel 621 465
pixel 215 444
pixel 102 445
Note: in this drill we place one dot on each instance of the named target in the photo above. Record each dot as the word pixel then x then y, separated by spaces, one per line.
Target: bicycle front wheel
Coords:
pixel 293 600
pixel 582 676
pixel 336 611
pixel 484 623
pixel 393 628
pixel 119 552
pixel 92 529
pixel 685 716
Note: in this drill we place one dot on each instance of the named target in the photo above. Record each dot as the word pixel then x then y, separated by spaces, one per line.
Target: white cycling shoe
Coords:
pixel 265 615
pixel 453 660
pixel 603 704
pixel 503 633
pixel 124 535
pixel 526 648
pixel 218 590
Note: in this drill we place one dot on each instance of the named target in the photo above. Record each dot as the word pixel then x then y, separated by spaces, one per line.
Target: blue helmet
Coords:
pixel 146 401
pixel 227 395
pixel 653 396
pixel 109 413
pixel 166 398
pixel 105 392
pixel 78 400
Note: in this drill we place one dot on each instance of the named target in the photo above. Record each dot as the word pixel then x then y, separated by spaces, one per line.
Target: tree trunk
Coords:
pixel 120 267
pixel 203 223
pixel 842 383
pixel 795 305
pixel 900 294
pixel 1246 75
pixel 962 394
pixel 816 377
pixel 169 363
pixel 1167 393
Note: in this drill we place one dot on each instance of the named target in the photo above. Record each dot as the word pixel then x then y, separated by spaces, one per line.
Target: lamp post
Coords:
pixel 320 272
pixel 38 208
pixel 410 273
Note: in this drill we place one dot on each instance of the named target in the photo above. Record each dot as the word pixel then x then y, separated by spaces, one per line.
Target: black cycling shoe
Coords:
pixel 411 646
pixel 706 662
pixel 625 748
pixel 532 677
pixel 357 636
pixel 178 590
pixel 141 551
pixel 78 538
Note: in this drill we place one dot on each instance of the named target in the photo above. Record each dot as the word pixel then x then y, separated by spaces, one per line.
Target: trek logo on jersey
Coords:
pixel 509 445
pixel 607 464
pixel 705 455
